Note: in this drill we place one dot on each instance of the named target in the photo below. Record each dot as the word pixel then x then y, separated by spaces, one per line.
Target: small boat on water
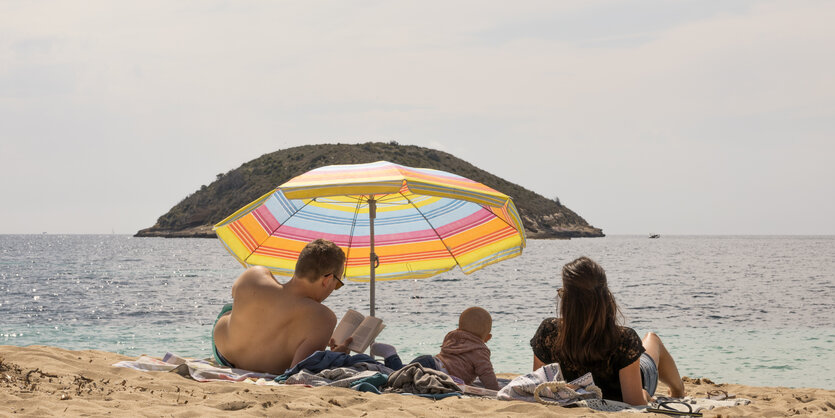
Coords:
pixel 655 235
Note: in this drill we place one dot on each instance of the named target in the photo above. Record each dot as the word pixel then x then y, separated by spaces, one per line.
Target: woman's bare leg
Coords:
pixel 667 370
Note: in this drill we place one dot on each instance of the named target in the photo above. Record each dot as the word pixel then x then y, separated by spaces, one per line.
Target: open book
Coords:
pixel 364 329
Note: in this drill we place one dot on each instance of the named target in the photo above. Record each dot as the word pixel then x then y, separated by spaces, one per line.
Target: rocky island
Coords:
pixel 195 215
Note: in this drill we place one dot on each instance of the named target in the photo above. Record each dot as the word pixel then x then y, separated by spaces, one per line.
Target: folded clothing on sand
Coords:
pixel 546 385
pixel 414 378
pixel 346 377
pixel 322 360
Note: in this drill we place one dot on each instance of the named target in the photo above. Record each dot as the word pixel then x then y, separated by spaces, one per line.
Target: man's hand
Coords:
pixel 342 348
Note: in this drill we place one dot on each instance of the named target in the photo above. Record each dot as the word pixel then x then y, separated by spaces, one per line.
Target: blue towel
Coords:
pixel 371 384
pixel 322 360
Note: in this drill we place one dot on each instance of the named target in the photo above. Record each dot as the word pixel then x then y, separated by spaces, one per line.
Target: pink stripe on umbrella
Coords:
pixel 264 217
pixel 464 224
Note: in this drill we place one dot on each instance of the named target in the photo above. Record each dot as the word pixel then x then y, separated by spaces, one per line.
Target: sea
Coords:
pixel 753 310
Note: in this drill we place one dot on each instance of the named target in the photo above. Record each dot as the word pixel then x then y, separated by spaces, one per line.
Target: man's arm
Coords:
pixel 318 330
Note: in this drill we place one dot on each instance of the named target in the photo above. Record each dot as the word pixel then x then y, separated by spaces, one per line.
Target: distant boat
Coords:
pixel 655 235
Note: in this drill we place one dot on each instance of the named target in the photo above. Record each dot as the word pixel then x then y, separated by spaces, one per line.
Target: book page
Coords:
pixel 347 325
pixel 365 333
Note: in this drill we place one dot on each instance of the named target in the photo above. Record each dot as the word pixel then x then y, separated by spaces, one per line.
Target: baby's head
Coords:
pixel 476 321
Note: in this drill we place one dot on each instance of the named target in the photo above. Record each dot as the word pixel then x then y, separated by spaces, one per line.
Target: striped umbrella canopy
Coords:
pixel 393 222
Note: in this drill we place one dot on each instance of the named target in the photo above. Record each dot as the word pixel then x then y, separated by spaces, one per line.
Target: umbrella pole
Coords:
pixel 372 213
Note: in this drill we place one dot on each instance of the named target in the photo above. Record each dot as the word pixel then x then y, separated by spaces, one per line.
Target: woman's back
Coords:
pixel 626 351
pixel 588 338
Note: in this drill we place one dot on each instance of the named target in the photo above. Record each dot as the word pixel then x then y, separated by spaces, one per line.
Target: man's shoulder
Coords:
pixel 314 321
pixel 315 310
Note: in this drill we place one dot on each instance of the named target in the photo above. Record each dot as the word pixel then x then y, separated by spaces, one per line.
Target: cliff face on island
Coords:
pixel 195 215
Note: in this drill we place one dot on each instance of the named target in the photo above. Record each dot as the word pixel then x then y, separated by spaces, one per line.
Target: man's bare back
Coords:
pixel 273 326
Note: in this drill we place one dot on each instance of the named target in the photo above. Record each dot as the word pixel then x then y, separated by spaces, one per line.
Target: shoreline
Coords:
pixel 46 381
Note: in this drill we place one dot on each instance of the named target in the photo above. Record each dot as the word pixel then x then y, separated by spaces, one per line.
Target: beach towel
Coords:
pixel 691 406
pixel 662 405
pixel 345 377
pixel 416 379
pixel 322 360
pixel 477 388
pixel 197 369
pixel 359 378
pixel 546 385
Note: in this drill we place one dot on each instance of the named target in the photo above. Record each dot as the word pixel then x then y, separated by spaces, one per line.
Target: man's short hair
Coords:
pixel 318 258
pixel 476 321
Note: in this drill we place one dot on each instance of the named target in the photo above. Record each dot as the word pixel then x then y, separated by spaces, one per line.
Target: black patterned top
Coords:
pixel 605 374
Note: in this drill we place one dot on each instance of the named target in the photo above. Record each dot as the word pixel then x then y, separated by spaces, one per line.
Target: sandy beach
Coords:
pixel 48 381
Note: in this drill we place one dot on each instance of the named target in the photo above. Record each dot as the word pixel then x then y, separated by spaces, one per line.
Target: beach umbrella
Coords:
pixel 393 222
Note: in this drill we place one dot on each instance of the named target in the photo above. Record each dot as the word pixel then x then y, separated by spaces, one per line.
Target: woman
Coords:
pixel 588 338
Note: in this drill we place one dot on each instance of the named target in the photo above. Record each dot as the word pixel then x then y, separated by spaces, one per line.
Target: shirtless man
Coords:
pixel 273 326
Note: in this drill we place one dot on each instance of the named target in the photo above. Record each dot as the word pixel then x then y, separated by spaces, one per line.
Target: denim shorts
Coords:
pixel 649 374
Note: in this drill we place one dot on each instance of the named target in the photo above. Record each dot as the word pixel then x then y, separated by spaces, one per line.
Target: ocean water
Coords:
pixel 737 309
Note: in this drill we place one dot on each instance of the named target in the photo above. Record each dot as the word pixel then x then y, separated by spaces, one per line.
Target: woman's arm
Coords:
pixel 537 363
pixel 630 384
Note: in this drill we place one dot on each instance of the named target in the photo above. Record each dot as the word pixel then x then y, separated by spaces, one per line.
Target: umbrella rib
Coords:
pixel 351 235
pixel 276 229
pixel 431 226
pixel 502 219
pixel 521 232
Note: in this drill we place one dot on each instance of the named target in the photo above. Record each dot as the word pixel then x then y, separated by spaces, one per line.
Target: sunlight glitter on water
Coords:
pixel 751 310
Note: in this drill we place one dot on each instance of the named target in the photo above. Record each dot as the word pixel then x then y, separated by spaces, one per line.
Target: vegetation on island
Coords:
pixel 195 215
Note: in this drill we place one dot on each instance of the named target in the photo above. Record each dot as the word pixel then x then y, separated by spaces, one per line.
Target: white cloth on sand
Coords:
pixel 547 385
pixel 200 370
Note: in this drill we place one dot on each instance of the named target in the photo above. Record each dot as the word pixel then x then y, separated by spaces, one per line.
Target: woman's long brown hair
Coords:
pixel 589 313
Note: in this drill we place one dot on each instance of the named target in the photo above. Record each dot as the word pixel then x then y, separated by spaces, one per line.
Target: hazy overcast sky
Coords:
pixel 675 117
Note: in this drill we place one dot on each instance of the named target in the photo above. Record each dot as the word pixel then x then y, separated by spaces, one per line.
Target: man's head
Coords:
pixel 320 258
pixel 476 321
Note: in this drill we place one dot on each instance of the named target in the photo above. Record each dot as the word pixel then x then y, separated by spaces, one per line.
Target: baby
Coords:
pixel 464 353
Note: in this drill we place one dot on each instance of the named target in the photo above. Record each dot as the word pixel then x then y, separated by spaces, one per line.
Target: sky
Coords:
pixel 672 117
